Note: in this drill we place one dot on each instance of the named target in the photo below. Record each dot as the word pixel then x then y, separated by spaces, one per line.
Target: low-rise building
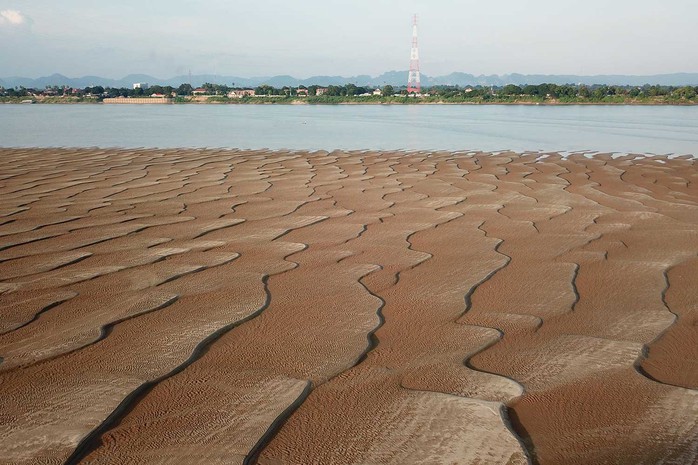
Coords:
pixel 302 92
pixel 320 90
pixel 240 93
pixel 141 85
pixel 199 91
pixel 136 100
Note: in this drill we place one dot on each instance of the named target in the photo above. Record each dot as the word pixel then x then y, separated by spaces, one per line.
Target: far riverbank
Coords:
pixel 215 100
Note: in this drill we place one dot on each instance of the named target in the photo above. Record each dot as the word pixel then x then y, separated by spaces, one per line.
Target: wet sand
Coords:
pixel 278 307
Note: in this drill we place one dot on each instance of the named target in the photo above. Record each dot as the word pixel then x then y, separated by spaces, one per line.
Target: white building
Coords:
pixel 141 85
pixel 240 93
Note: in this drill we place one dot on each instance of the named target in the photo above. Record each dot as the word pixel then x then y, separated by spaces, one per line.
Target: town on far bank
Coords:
pixel 143 93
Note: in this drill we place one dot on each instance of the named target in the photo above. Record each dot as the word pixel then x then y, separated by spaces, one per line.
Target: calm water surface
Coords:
pixel 657 130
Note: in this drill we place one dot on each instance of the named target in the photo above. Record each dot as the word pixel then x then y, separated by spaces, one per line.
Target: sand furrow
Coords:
pixel 186 287
pixel 586 355
pixel 669 359
pixel 382 376
pixel 220 306
pixel 260 364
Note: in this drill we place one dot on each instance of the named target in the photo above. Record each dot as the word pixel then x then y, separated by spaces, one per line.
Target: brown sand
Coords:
pixel 218 307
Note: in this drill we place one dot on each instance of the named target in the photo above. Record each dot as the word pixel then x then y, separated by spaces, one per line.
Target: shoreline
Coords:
pixel 542 154
pixel 541 104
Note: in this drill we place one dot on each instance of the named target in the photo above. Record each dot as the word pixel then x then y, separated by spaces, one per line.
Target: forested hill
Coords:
pixel 394 78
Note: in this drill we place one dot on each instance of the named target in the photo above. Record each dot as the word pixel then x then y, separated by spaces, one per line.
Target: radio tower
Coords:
pixel 413 81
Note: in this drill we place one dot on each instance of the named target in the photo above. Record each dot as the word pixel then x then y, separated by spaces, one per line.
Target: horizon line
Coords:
pixel 346 76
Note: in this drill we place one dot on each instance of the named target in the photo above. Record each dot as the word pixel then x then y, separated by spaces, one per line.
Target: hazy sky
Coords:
pixel 266 37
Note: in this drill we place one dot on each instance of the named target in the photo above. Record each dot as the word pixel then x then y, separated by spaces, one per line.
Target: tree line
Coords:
pixel 565 92
pixel 336 93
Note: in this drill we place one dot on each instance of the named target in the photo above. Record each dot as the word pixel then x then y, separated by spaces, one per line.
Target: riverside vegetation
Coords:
pixel 350 93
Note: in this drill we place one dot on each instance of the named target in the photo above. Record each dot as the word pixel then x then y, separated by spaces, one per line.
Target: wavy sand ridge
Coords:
pixel 222 306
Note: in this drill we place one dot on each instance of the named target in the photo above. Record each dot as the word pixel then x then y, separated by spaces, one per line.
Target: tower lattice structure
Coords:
pixel 413 81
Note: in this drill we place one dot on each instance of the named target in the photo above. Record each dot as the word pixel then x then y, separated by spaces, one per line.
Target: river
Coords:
pixel 623 129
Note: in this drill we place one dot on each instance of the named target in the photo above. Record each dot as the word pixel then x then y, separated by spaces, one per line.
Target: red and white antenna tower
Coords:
pixel 413 81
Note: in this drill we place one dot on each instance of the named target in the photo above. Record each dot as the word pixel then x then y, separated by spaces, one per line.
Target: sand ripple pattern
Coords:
pixel 278 307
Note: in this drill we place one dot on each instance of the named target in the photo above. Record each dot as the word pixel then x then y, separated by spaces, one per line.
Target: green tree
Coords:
pixel 265 89
pixel 334 91
pixel 185 89
pixel 686 92
pixel 600 92
pixel 387 91
pixel 654 91
pixel 568 91
pixel 532 90
pixel 512 89
pixel 96 90
pixel 584 91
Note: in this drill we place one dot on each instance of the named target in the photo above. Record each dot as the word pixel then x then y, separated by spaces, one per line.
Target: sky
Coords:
pixel 165 38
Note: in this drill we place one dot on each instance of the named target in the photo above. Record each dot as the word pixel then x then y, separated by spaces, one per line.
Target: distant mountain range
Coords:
pixel 394 78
